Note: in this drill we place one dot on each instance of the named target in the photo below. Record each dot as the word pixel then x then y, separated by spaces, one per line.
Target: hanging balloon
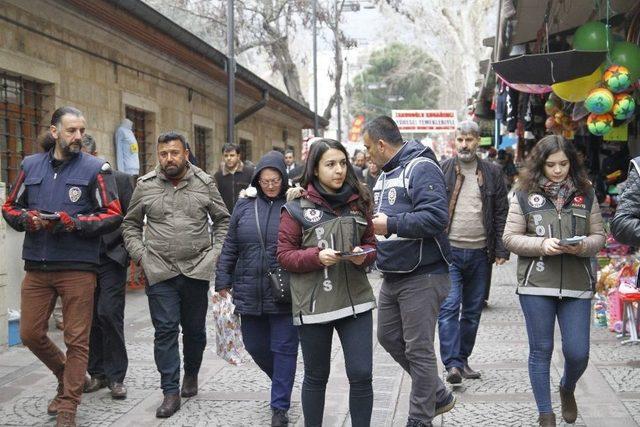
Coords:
pixel 577 89
pixel 551 107
pixel 550 123
pixel 628 55
pixel 599 124
pixel 623 107
pixel 599 101
pixel 593 35
pixel 617 78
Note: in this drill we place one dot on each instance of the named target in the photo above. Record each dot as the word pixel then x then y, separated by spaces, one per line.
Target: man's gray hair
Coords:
pixel 468 127
pixel 89 143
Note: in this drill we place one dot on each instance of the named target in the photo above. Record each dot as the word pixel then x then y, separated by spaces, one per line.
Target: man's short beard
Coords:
pixel 179 170
pixel 467 157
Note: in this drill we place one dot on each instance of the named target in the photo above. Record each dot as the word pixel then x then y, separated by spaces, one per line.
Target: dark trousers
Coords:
pixel 107 350
pixel 174 303
pixel 407 313
pixel 272 342
pixel 356 337
pixel 38 296
pixel 574 318
pixel 459 316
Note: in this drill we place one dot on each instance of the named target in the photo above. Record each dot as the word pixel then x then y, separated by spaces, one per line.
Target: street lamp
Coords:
pixel 315 73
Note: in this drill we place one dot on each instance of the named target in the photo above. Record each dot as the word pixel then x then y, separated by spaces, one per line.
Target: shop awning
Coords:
pixel 549 68
pixel 563 16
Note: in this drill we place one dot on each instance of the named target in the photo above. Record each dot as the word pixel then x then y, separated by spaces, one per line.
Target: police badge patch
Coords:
pixel 312 215
pixel 536 200
pixel 392 196
pixel 74 194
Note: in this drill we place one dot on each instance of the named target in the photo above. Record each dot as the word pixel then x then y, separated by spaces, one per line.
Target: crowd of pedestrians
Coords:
pixel 432 231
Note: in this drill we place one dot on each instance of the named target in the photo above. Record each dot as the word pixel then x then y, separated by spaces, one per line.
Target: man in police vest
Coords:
pixel 64 200
pixel 413 254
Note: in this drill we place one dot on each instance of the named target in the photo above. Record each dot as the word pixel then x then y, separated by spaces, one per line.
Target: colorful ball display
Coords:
pixel 593 35
pixel 617 78
pixel 628 55
pixel 599 124
pixel 577 89
pixel 623 106
pixel 599 101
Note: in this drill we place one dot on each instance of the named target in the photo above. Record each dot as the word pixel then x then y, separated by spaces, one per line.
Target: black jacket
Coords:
pixel 113 243
pixel 230 184
pixel 626 222
pixel 243 264
pixel 495 204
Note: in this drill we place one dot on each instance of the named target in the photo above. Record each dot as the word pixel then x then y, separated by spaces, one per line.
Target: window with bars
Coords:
pixel 245 149
pixel 20 122
pixel 139 119
pixel 201 137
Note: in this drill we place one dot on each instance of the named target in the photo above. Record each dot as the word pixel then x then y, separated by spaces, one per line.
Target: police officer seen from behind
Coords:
pixel 177 256
pixel 64 200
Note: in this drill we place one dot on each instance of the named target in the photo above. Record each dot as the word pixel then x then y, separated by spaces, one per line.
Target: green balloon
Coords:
pixel 593 35
pixel 627 54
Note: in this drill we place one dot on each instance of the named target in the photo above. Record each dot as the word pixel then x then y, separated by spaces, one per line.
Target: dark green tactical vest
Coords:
pixel 340 290
pixel 560 275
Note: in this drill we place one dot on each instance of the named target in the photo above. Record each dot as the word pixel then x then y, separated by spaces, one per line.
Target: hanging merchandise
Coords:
pixel 628 55
pixel 577 89
pixel 623 107
pixel 593 35
pixel 599 124
pixel 599 101
pixel 617 78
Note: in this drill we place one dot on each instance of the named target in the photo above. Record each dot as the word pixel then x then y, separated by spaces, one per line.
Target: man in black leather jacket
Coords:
pixel 626 222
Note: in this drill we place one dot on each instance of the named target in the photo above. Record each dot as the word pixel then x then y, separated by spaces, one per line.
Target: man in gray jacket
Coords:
pixel 178 257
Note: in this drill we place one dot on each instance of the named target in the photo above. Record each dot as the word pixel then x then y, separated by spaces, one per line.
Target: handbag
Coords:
pixel 279 277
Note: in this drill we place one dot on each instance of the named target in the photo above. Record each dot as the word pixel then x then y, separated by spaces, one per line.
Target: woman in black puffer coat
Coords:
pixel 267 329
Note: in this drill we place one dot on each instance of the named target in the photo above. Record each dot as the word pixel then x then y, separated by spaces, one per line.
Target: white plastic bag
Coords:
pixel 229 345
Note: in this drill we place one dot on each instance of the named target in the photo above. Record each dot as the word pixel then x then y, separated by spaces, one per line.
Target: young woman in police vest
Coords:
pixel 555 201
pixel 321 228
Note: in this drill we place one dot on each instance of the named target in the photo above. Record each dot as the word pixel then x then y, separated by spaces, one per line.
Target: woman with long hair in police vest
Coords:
pixel 323 227
pixel 553 206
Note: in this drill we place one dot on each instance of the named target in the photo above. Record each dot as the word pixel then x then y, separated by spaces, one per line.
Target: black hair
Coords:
pixel 534 170
pixel 230 147
pixel 167 137
pixel 384 128
pixel 46 141
pixel 57 115
pixel 288 151
pixel 89 143
pixel 318 148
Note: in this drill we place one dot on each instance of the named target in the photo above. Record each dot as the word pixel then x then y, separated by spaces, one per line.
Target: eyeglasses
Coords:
pixel 270 182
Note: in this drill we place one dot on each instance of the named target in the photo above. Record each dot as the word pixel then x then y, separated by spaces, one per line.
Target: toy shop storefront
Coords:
pixel 575 72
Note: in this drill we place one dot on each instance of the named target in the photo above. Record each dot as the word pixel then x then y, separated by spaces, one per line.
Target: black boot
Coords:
pixel 279 418
pixel 569 407
pixel 170 405
pixel 547 420
pixel 189 385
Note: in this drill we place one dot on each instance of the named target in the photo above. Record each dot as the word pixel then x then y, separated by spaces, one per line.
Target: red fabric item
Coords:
pixel 29 221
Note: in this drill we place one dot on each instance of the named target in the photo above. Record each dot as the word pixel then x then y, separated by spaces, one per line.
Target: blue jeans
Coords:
pixel 356 335
pixel 179 301
pixel 457 328
pixel 574 318
pixel 272 342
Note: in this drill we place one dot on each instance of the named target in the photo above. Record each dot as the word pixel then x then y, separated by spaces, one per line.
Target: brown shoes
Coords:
pixel 547 420
pixel 94 383
pixel 118 391
pixel 468 373
pixel 189 386
pixel 170 405
pixel 454 375
pixel 569 406
pixel 66 419
pixel 52 408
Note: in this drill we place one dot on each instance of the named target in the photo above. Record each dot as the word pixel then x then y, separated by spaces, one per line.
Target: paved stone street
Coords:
pixel 608 395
